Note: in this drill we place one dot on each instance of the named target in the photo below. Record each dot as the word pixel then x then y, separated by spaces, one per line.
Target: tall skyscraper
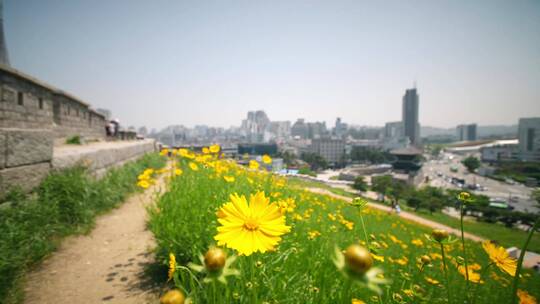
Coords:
pixel 466 132
pixel 411 127
pixel 4 58
pixel 529 138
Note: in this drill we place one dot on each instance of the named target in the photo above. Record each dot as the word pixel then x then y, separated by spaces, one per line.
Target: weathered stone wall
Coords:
pixel 28 103
pixel 25 157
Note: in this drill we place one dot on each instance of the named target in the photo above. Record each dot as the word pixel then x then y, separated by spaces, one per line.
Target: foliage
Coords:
pixel 302 269
pixel 360 184
pixel 519 171
pixel 66 202
pixel 374 156
pixel 74 140
pixel 471 163
pixel 429 198
pixel 315 161
pixel 307 171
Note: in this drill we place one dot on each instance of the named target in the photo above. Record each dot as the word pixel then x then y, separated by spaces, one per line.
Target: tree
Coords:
pixel 471 163
pixel 381 184
pixel 360 184
pixel 315 161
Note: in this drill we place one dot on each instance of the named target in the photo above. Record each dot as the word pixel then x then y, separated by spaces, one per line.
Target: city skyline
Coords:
pixel 210 63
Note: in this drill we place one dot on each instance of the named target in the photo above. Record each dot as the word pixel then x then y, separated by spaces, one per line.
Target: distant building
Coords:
pixel 281 130
pixel 466 132
pixel 408 160
pixel 300 129
pixel 393 129
pixel 499 153
pixel 333 150
pixel 255 126
pixel 340 129
pixel 257 149
pixel 529 139
pixel 317 129
pixel 411 126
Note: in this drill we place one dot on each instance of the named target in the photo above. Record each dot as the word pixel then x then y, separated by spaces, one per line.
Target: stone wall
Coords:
pixel 25 156
pixel 28 103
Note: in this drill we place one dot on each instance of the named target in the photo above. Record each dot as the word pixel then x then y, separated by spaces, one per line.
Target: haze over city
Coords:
pixel 157 63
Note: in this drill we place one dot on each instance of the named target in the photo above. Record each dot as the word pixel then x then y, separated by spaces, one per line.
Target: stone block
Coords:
pixel 26 177
pixel 24 147
pixel 3 147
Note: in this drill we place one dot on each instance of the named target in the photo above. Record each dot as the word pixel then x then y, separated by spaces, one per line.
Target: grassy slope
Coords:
pixel 66 202
pixel 507 237
pixel 301 270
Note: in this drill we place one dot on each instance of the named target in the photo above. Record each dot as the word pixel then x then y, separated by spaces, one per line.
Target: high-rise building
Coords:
pixel 4 58
pixel 393 129
pixel 529 139
pixel 255 126
pixel 411 127
pixel 340 128
pixel 466 132
pixel 300 129
pixel 333 150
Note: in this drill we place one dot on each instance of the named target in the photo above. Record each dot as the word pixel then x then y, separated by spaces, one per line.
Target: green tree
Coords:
pixel 315 161
pixel 471 163
pixel 536 195
pixel 381 184
pixel 360 184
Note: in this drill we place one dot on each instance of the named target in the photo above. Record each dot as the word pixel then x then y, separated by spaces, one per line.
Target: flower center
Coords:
pixel 251 224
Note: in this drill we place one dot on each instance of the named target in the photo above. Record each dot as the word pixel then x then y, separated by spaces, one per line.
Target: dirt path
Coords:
pixel 405 215
pixel 106 266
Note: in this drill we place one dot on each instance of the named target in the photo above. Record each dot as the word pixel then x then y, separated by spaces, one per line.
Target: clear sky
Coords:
pixel 157 63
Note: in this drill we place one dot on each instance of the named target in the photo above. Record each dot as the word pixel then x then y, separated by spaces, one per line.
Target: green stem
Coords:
pixel 520 261
pixel 365 232
pixel 445 273
pixel 464 253
pixel 484 271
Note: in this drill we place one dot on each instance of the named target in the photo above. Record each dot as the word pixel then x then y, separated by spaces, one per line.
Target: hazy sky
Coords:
pixel 157 63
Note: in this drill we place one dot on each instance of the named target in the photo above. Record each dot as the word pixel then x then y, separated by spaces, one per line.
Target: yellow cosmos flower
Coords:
pixel 228 179
pixel 253 164
pixel 313 234
pixel 266 159
pixel 164 152
pixel 172 266
pixel 205 150
pixel 525 298
pixel 432 281
pixel 250 227
pixel 500 257
pixel 193 166
pixel 178 172
pixel 143 184
pixel 473 276
pixel 214 148
pixel 356 301
pixel 417 242
pixel 379 258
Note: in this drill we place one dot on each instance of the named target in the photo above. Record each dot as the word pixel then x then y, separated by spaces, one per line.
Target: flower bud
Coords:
pixel 439 234
pixel 425 259
pixel 358 259
pixel 214 259
pixel 174 296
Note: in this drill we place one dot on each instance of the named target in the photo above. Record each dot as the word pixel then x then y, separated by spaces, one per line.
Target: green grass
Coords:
pixel 507 237
pixel 301 270
pixel 66 202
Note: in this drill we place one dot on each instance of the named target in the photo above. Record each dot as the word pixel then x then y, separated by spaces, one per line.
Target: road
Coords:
pixel 440 175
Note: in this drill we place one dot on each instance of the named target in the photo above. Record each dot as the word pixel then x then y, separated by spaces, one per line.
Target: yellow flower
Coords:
pixel 178 172
pixel 143 184
pixel 214 148
pixel 464 196
pixel 313 234
pixel 228 179
pixel 172 266
pixel 525 298
pixel 250 227
pixel 379 258
pixel 205 150
pixel 473 276
pixel 417 242
pixel 193 166
pixel 173 297
pixel 500 257
pixel 164 152
pixel 253 164
pixel 432 281
pixel 266 159
pixel 356 301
